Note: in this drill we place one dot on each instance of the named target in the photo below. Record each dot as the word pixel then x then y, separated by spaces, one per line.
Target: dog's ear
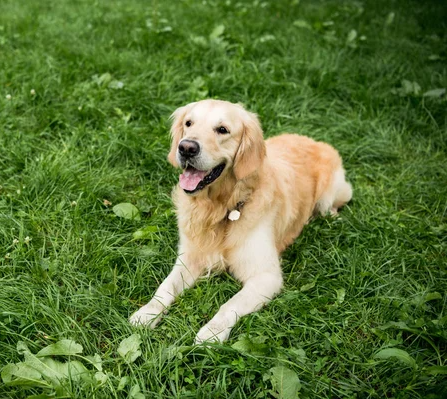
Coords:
pixel 251 151
pixel 177 132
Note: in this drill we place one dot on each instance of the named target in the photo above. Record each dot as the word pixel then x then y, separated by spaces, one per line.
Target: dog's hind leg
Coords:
pixel 336 195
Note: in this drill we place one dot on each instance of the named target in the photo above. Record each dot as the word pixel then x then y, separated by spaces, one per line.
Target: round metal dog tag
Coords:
pixel 234 215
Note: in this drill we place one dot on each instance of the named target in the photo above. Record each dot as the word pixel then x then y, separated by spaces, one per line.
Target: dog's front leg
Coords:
pixel 257 291
pixel 256 264
pixel 183 275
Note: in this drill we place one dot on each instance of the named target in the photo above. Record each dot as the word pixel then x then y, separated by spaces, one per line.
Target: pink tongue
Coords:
pixel 190 178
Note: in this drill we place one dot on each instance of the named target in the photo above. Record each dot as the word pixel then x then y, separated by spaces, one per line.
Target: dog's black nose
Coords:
pixel 188 148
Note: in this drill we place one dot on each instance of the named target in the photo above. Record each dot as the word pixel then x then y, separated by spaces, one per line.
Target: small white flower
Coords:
pixel 7 256
pixel 8 97
pixel 19 191
pixel 27 240
pixel 33 92
pixel 15 241
pixel 73 203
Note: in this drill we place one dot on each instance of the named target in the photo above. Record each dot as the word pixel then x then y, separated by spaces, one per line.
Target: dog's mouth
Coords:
pixel 193 180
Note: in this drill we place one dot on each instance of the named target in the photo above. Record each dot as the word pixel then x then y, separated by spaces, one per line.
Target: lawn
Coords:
pixel 86 91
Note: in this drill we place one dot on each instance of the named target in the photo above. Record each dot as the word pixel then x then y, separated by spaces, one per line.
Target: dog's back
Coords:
pixel 310 177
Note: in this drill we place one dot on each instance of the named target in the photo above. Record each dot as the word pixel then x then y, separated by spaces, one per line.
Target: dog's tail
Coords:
pixel 337 194
pixel 343 194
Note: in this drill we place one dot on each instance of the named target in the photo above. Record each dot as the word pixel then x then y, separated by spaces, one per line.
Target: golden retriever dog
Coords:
pixel 240 202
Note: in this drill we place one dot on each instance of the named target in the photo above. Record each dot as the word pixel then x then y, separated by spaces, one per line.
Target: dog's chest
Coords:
pixel 215 240
pixel 213 228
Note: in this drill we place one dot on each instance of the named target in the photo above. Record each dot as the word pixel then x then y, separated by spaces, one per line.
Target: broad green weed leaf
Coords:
pixel 407 88
pixel 198 83
pixel 199 40
pixel 116 84
pixel 75 370
pixel 299 354
pixel 434 93
pixel 96 361
pixel 146 232
pixel 217 31
pixel 254 345
pixel 123 382
pixel 301 23
pixel 8 372
pixel 146 251
pixel 19 370
pixel 36 369
pixel 341 293
pixel 352 35
pixel 436 370
pixel 243 345
pixel 20 382
pixel 56 367
pixel 395 324
pixel 401 355
pixel 198 87
pixel 22 348
pixel 102 80
pixel 165 29
pixel 432 296
pixel 127 210
pixel 389 19
pixel 410 87
pixel 307 287
pixel 135 392
pixel 64 347
pixel 100 377
pixel 267 38
pixel 285 382
pixel 53 372
pixel 129 348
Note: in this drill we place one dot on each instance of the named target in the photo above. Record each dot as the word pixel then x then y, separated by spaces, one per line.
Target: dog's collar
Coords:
pixel 235 214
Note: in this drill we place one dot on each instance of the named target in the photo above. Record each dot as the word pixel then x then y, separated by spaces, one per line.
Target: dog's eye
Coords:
pixel 222 130
pixel 188 123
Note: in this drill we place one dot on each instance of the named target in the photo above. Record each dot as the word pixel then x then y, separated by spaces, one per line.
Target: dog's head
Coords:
pixel 211 138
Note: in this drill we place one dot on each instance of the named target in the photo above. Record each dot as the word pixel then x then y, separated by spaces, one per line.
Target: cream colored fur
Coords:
pixel 282 182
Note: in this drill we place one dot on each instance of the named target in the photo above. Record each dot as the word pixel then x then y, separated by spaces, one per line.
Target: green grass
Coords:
pixel 351 73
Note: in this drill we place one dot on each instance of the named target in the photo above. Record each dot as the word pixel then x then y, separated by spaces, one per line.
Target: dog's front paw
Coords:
pixel 213 332
pixel 146 316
